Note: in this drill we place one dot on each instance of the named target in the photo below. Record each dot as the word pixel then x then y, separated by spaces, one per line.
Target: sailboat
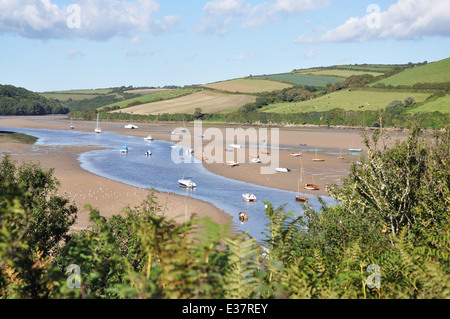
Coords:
pixel 308 185
pixel 71 125
pixel 351 149
pixel 183 129
pixel 315 159
pixel 97 128
pixel 340 157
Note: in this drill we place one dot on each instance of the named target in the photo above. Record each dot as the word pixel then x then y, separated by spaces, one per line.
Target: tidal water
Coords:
pixel 159 171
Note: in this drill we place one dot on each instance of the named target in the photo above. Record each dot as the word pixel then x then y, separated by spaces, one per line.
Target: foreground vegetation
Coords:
pixel 388 237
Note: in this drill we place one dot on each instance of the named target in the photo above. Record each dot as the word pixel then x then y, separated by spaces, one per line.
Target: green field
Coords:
pixel 441 104
pixel 248 85
pixel 347 100
pixel 301 79
pixel 75 95
pixel 434 72
pixel 340 73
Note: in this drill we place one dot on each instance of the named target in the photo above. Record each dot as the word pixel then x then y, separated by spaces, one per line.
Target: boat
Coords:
pixel 256 160
pixel 186 182
pixel 299 198
pixel 243 217
pixel 189 151
pixel 97 128
pixel 296 154
pixel 124 150
pixel 340 157
pixel 308 186
pixel 355 149
pixel 235 145
pixel 282 169
pixel 232 163
pixel 148 138
pixel 148 153
pixel 183 129
pixel 318 159
pixel 131 126
pixel 303 144
pixel 249 197
pixel 71 125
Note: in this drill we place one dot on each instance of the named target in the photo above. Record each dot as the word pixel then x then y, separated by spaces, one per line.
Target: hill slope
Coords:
pixel 435 72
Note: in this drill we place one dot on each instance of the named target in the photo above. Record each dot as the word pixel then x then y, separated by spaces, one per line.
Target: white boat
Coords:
pixel 296 154
pixel 148 153
pixel 235 145
pixel 186 182
pixel 249 197
pixel 189 151
pixel 97 128
pixel 148 138
pixel 282 169
pixel 233 163
pixel 256 160
pixel 131 126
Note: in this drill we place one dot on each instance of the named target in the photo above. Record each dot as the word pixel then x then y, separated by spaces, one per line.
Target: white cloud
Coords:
pixel 406 19
pixel 94 19
pixel 311 52
pixel 245 57
pixel 74 54
pixel 220 14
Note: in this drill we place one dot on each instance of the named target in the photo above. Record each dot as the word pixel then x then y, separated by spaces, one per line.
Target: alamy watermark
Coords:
pixel 374 280
pixel 374 17
pixel 74 278
pixel 73 20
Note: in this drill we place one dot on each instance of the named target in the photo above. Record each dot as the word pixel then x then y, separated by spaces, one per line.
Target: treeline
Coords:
pixel 19 101
pixel 388 237
pixel 393 116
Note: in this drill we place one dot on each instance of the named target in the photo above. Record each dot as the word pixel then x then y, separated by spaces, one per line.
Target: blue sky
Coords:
pixel 49 45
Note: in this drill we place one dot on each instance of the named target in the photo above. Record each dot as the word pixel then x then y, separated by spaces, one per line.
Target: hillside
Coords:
pixel 435 72
pixel 19 101
pixel 208 101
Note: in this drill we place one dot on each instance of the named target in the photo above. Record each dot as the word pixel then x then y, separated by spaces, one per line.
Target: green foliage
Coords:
pixel 19 101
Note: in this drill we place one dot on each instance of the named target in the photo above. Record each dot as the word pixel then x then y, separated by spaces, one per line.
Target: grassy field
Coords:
pixel 302 79
pixel 434 72
pixel 208 101
pixel 75 95
pixel 441 104
pixel 340 73
pixel 154 96
pixel 347 100
pixel 248 85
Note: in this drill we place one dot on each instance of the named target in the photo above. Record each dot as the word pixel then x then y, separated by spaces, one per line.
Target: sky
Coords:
pixel 51 45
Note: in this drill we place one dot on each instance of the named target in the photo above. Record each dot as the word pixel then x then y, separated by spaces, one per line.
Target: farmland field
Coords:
pixel 430 73
pixel 248 85
pixel 208 101
pixel 153 96
pixel 441 104
pixel 341 73
pixel 347 100
pixel 302 79
pixel 75 95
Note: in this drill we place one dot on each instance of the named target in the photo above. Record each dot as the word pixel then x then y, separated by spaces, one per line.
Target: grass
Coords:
pixel 208 101
pixel 340 73
pixel 441 104
pixel 75 95
pixel 347 100
pixel 434 72
pixel 248 85
pixel 302 79
pixel 13 137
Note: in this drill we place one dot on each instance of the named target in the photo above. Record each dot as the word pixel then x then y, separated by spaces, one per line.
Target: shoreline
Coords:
pixel 328 142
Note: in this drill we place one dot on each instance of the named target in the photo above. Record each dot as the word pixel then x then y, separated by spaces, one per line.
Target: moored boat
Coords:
pixel 249 197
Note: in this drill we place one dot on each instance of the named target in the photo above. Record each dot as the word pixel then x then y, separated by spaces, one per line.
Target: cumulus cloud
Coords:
pixel 218 15
pixel 404 20
pixel 94 19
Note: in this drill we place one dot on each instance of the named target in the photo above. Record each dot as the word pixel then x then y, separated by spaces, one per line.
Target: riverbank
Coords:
pixel 110 197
